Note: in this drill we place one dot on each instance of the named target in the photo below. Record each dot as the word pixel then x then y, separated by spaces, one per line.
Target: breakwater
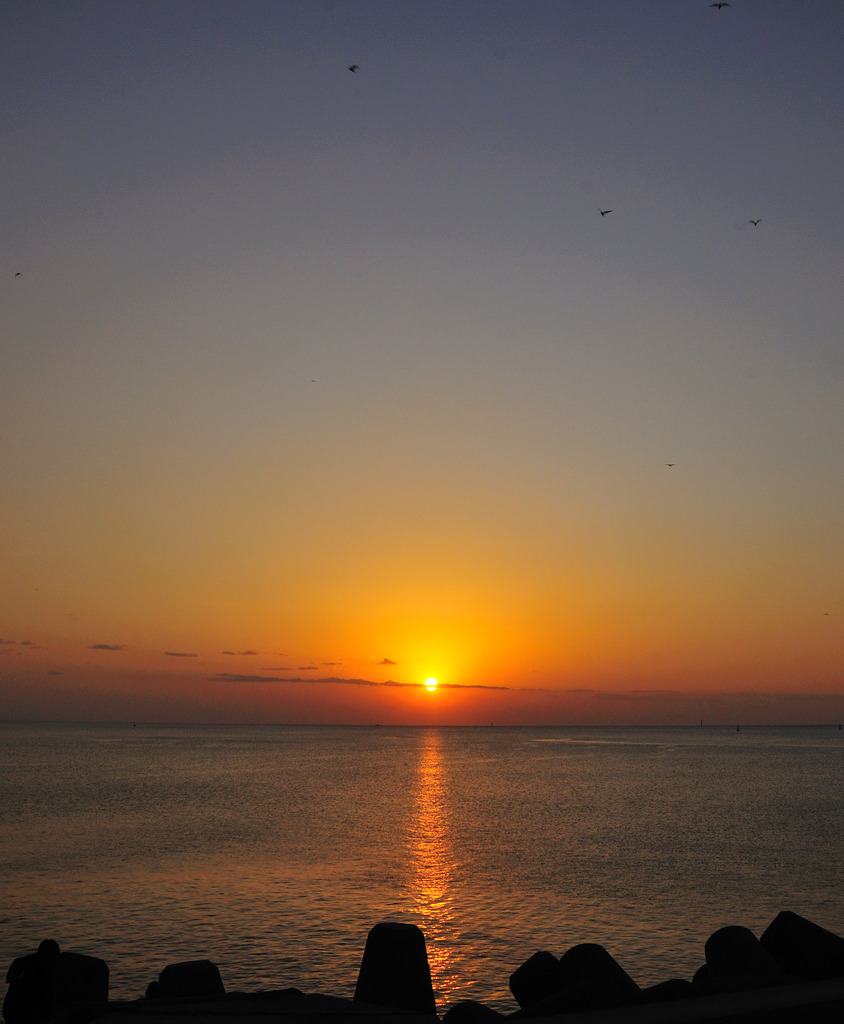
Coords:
pixel 395 980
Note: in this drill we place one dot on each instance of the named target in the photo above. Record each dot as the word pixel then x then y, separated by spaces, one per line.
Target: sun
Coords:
pixel 430 684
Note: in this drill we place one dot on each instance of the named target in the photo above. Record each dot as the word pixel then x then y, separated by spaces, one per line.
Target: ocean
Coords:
pixel 273 850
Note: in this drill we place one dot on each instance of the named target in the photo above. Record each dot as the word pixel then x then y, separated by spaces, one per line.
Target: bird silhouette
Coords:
pixel 354 67
pixel 18 274
pixel 755 222
pixel 721 4
pixel 670 463
pixel 603 213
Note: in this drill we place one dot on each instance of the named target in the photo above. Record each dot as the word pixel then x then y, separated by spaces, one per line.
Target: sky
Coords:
pixel 316 383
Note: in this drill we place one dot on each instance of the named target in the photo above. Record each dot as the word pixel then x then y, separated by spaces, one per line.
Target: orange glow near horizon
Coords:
pixel 532 665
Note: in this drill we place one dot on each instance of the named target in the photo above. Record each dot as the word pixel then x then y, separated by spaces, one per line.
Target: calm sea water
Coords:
pixel 274 850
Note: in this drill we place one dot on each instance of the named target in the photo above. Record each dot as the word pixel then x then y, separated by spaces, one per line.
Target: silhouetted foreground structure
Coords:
pixel 793 973
pixel 46 984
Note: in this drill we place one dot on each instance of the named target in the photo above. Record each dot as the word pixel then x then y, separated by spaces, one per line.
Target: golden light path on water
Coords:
pixel 432 860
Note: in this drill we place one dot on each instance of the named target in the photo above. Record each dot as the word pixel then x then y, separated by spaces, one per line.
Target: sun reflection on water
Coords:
pixel 432 863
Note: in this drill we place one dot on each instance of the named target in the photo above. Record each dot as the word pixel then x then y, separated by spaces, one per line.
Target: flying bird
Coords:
pixel 721 4
pixel 354 67
pixel 18 274
pixel 670 463
pixel 603 213
pixel 755 222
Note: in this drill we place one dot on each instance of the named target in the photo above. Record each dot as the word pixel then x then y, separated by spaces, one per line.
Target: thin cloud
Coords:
pixel 482 686
pixel 5 643
pixel 108 647
pixel 656 693
pixel 233 677
pixel 239 654
pixel 343 681
pixel 54 672
pixel 180 654
pixel 307 668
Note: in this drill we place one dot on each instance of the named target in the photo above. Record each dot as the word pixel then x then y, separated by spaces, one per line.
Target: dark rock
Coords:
pixel 29 998
pixel 736 950
pixel 590 979
pixel 804 948
pixel 707 983
pixel 50 985
pixel 536 979
pixel 189 978
pixel 668 991
pixel 736 960
pixel 78 981
pixel 394 970
pixel 470 1012
pixel 590 965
